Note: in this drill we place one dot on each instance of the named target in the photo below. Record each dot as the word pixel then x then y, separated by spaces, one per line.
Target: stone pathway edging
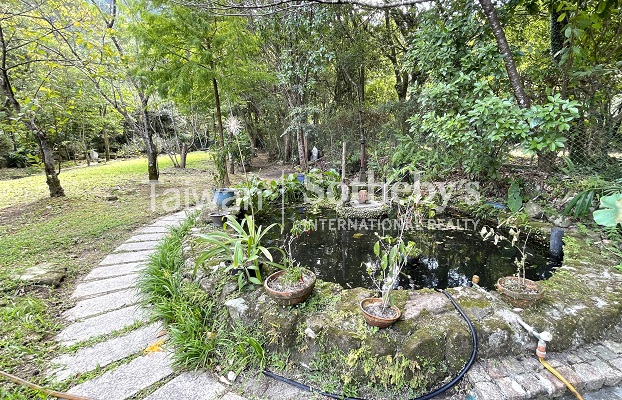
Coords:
pixel 107 303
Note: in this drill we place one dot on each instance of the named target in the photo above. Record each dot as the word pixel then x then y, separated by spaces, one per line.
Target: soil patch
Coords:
pixel 377 310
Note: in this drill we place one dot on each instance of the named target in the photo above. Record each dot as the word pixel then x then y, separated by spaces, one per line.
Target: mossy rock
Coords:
pixel 457 344
pixel 340 337
pixel 494 336
pixel 405 327
pixel 380 345
pixel 423 345
pixel 350 299
pixel 280 325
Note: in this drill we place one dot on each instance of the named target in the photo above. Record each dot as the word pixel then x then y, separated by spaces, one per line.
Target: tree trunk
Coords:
pixel 504 48
pixel 546 159
pixel 152 156
pixel 12 105
pixel 556 31
pixel 106 143
pixel 302 156
pixel 51 176
pixel 150 147
pixel 343 161
pixel 221 135
pixel 183 153
pixel 287 147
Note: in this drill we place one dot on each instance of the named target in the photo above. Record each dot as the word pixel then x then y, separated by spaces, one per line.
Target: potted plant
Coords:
pixel 293 284
pixel 515 290
pixel 392 254
pixel 240 249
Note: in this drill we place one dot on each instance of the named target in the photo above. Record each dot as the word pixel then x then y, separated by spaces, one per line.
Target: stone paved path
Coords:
pixel 108 316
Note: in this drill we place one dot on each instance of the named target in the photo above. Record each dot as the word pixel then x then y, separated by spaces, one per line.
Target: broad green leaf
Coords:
pixel 515 202
pixel 610 213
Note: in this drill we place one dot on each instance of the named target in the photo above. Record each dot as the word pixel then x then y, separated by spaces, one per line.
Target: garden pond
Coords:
pixel 452 251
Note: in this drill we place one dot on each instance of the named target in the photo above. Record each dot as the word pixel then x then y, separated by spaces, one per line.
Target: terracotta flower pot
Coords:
pixel 373 320
pixel 289 298
pixel 525 296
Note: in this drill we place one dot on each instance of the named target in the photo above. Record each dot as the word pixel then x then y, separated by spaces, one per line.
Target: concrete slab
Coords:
pixel 128 379
pixel 110 271
pixel 166 223
pixel 146 237
pixel 137 246
pixel 102 286
pixel 101 325
pixel 605 394
pixel 133 256
pixel 190 386
pixel 153 229
pixel 104 353
pixel 232 396
pixel 487 391
pixel 100 304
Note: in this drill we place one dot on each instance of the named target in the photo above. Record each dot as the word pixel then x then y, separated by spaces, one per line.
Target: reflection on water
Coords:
pixel 449 258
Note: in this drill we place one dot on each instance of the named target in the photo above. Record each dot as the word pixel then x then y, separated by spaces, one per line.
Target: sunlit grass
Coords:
pixel 89 181
pixel 76 231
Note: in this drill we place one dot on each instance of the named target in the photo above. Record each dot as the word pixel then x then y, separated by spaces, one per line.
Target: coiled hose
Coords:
pixel 427 396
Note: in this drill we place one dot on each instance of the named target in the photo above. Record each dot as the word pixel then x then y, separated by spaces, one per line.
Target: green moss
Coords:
pixel 349 299
pixel 473 302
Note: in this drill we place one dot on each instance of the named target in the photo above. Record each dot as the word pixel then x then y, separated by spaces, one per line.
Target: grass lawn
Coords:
pixel 77 232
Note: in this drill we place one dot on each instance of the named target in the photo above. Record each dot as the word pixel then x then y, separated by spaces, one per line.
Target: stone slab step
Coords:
pixel 128 379
pixel 100 304
pixel 111 271
pixel 102 354
pixel 137 246
pixel 154 229
pixel 232 396
pixel 167 223
pixel 101 325
pixel 146 237
pixel 590 369
pixel 128 257
pixel 605 394
pixel 103 286
pixel 190 386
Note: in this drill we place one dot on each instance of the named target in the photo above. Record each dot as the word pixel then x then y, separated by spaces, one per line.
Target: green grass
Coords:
pixel 76 232
pixel 90 181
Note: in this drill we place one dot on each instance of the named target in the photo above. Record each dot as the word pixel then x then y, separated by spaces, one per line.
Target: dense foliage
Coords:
pixel 425 87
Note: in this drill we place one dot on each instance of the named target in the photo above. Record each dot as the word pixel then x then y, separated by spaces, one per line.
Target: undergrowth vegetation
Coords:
pixel 197 323
pixel 204 333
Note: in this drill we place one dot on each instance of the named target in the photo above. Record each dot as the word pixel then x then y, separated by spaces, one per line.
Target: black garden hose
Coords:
pixel 427 396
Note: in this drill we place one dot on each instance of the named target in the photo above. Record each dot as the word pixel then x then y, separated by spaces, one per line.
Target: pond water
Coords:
pixel 452 251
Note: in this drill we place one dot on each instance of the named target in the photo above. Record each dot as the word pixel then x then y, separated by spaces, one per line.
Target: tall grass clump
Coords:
pixel 200 332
